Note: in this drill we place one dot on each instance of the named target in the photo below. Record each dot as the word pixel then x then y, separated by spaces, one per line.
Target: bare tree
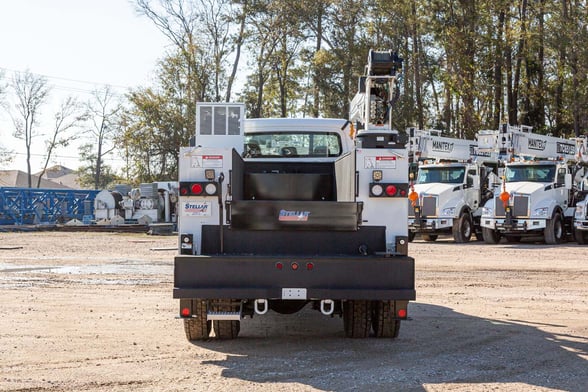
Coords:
pixel 103 112
pixel 68 117
pixel 5 154
pixel 241 18
pixel 31 92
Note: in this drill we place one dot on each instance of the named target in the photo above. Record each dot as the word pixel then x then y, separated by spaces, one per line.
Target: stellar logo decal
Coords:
pixel 293 216
pixel 197 209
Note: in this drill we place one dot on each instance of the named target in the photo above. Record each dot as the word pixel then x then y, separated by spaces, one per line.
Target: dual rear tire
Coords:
pixel 198 328
pixel 360 317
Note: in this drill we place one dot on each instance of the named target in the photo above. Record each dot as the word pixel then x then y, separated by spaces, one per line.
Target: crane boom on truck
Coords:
pixel 277 214
pixel 512 142
pixel 538 196
pixel 453 181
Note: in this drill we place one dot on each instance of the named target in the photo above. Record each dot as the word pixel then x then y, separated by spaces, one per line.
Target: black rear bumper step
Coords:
pixel 333 277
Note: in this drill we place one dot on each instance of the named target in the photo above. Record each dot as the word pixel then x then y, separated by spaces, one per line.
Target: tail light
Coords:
pixel 379 189
pixel 199 188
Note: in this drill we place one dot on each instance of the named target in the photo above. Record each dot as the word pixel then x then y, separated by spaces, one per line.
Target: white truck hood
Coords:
pixel 434 188
pixel 525 188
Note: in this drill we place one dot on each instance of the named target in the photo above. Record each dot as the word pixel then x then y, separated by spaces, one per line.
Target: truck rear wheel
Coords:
pixel 197 327
pixel 429 237
pixel 226 329
pixel 554 230
pixel 383 322
pixel 462 228
pixel 490 236
pixel 581 236
pixel 357 318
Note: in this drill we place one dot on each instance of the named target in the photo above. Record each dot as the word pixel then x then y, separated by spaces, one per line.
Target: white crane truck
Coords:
pixel 537 197
pixel 305 213
pixel 452 184
pixel 581 213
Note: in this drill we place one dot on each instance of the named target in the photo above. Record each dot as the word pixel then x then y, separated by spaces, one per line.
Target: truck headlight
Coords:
pixel 448 211
pixel 487 211
pixel 579 211
pixel 541 212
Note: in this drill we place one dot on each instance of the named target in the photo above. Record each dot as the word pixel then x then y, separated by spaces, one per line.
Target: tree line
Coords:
pixel 468 65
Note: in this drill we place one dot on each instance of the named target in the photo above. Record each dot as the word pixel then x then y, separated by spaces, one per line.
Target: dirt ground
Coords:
pixel 94 312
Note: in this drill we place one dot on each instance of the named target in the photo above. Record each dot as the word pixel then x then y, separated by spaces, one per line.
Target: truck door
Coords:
pixel 472 188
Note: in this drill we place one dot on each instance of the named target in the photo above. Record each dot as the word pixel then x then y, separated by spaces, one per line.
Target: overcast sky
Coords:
pixel 78 45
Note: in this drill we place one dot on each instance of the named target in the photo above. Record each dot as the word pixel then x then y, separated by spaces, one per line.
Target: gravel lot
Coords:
pixel 94 312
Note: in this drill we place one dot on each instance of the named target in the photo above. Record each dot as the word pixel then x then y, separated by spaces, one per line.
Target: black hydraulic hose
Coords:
pixel 221 178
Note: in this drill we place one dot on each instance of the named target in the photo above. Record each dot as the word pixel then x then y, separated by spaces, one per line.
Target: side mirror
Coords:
pixel 476 182
pixel 568 181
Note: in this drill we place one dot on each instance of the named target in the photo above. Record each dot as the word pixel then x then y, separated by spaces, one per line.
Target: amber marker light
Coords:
pixel 504 196
pixel 413 197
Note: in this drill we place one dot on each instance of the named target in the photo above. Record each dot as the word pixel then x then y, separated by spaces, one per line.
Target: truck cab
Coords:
pixel 451 184
pixel 534 199
pixel 450 197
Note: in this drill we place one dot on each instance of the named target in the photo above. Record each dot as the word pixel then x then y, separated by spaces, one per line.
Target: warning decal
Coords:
pixel 381 162
pixel 207 161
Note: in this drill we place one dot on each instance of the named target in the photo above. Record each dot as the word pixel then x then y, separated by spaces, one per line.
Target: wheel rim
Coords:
pixel 558 229
pixel 467 229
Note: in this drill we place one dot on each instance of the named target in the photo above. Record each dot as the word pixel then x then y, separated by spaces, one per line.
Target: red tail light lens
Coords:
pixel 379 189
pixel 391 190
pixel 401 313
pixel 199 188
pixel 186 312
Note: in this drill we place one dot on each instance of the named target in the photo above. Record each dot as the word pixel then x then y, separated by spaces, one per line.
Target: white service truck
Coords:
pixel 277 214
pixel 581 213
pixel 538 196
pixel 452 183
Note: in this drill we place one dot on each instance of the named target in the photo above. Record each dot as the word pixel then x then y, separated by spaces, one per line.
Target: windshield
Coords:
pixel 449 175
pixel 535 173
pixel 294 144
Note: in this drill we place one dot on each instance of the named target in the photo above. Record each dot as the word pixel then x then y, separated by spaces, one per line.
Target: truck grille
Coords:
pixel 429 206
pixel 520 207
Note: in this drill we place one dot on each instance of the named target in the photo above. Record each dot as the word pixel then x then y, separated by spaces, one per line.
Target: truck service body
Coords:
pixel 280 213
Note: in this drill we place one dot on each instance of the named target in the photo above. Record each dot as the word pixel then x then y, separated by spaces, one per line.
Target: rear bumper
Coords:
pixel 250 277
